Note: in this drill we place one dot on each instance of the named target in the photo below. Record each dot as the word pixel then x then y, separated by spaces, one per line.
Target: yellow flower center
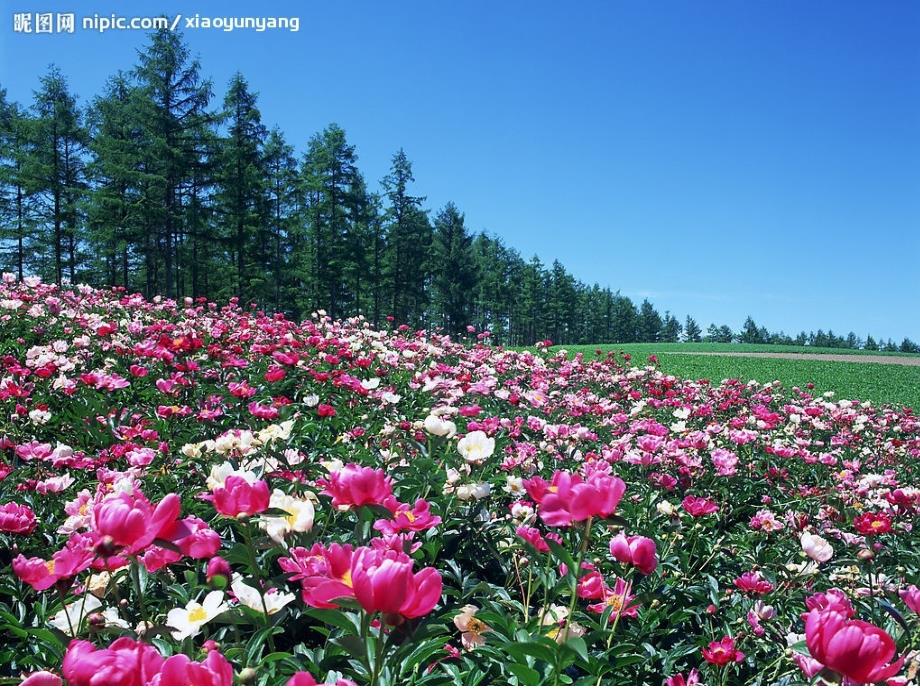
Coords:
pixel 409 516
pixel 346 578
pixel 876 524
pixel 197 614
pixel 616 601
pixel 50 566
pixel 475 626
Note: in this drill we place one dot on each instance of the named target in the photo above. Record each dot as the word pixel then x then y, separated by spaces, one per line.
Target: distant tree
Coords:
pixel 625 318
pixel 649 323
pixel 670 328
pixel 871 344
pixel 692 331
pixel 453 270
pixel 55 171
pixel 17 200
pixel 750 333
pixel 908 345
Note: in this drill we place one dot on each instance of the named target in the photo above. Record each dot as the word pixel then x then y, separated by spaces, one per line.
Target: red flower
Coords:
pixel 720 653
pixel 872 523
pixel 324 410
pixel 180 670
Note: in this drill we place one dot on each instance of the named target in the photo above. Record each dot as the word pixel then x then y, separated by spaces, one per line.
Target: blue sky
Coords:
pixel 721 158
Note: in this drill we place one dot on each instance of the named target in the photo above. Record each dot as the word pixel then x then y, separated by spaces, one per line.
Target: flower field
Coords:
pixel 196 494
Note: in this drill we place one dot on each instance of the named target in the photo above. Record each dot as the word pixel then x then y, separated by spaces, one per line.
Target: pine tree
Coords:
pixel 649 323
pixel 16 200
pixel 453 270
pixel 241 200
pixel 282 196
pixel 692 330
pixel 408 239
pixel 173 116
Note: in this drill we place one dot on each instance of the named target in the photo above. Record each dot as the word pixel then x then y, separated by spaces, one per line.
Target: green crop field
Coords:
pixel 880 383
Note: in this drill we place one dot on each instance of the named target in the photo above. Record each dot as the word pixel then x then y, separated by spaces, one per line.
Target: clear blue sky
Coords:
pixel 721 158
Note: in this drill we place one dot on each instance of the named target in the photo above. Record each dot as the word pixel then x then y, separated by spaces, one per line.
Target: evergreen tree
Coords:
pixel 54 171
pixel 453 270
pixel 16 200
pixel 649 323
pixel 692 331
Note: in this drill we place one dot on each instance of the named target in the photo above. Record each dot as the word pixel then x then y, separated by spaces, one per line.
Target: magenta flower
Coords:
pixel 355 485
pixel 238 498
pixel 637 551
pixel 862 653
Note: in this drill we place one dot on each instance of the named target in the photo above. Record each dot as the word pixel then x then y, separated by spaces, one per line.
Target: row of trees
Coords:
pixel 155 187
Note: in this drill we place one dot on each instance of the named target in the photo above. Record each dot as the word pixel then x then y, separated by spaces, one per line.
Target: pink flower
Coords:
pixel 692 678
pixel 194 538
pixel 637 551
pixel 617 600
pixel 697 506
pixel 862 653
pixel 217 567
pixel 406 518
pixel 124 662
pixel 42 678
pixel 533 537
pixel 911 597
pixel 385 582
pixel 324 573
pixel 238 498
pixel 722 652
pixel 16 518
pixel 355 485
pixel 180 670
pixel 569 498
pixel 74 558
pixel 131 521
pixel 833 600
pixel 752 583
pixel 306 678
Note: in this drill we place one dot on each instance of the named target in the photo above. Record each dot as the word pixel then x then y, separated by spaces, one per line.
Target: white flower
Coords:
pixel 311 400
pixel 440 427
pixel 300 514
pixel 275 600
pixel 219 474
pixel 665 508
pixel 476 446
pixel 514 485
pixel 370 384
pixel 468 492
pixel 70 618
pixel 816 547
pixel 39 416
pixel 188 621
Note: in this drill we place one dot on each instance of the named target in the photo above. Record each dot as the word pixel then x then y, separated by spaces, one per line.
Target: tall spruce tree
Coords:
pixel 453 270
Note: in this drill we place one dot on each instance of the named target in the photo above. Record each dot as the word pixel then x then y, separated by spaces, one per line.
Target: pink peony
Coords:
pixel 862 653
pixel 124 662
pixel 131 521
pixel 569 498
pixel 16 518
pixel 355 485
pixel 722 652
pixel 698 506
pixel 180 670
pixel 238 498
pixel 638 551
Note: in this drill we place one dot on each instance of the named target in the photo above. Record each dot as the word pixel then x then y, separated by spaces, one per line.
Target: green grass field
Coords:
pixel 880 383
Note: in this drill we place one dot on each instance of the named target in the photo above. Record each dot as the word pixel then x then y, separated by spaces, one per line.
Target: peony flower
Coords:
pixel 698 506
pixel 862 653
pixel 638 551
pixel 16 518
pixel 131 521
pixel 188 621
pixel 70 619
pixel 275 600
pixel 569 498
pixel 475 447
pixel 299 518
pixel 911 597
pixel 872 524
pixel 692 678
pixel 354 485
pixel 385 582
pixel 440 427
pixel 406 518
pixel 124 662
pixel 816 548
pixel 471 628
pixel 617 599
pixel 324 573
pixel 722 652
pixel 241 498
pixel 42 678
pixel 753 583
pixel 306 678
pixel 180 670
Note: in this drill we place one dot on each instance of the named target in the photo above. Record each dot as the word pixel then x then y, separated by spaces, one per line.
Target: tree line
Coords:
pixel 157 187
